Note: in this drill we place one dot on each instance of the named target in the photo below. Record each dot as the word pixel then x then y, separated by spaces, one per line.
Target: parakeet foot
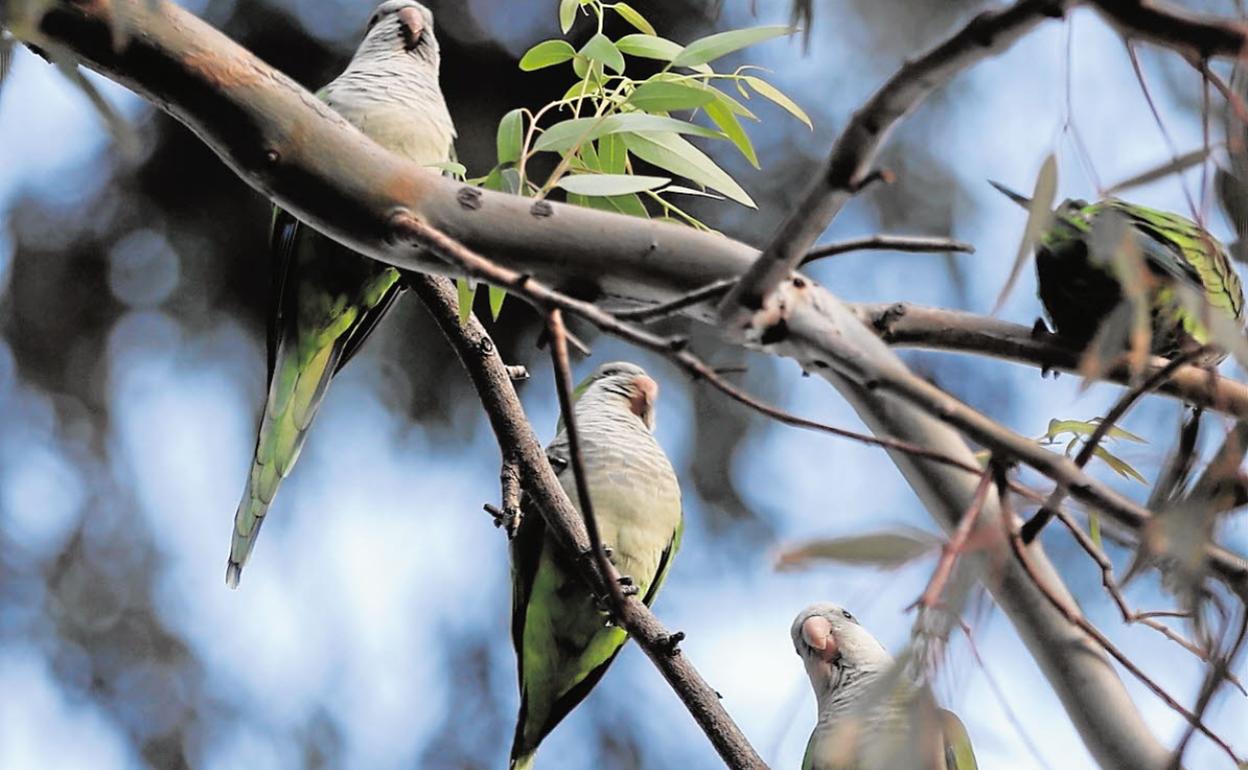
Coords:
pixel 627 586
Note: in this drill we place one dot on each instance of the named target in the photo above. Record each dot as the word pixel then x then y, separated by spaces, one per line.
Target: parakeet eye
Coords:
pixel 373 21
pixel 848 615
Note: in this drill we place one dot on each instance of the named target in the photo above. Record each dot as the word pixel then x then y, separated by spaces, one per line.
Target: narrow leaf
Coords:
pixel 723 117
pixel 775 95
pixel 890 548
pixel 627 13
pixel 1174 166
pixel 497 296
pixel 510 136
pixel 712 47
pixel 600 48
pixel 1039 214
pixel 671 152
pixel 612 154
pixel 567 14
pixel 467 291
pixel 546 54
pixel 451 168
pixel 661 96
pixel 610 184
pixel 1094 529
pixel 564 135
pixel 1118 465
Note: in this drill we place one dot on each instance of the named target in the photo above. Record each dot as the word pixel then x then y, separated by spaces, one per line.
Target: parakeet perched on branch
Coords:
pixel 869 715
pixel 1080 287
pixel 563 641
pixel 326 299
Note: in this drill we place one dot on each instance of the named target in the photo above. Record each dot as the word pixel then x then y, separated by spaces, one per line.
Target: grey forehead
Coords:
pixel 394 6
pixel 617 369
pixel 822 610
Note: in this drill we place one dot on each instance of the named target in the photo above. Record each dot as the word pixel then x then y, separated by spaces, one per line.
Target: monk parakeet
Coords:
pixel 1079 288
pixel 326 298
pixel 870 716
pixel 562 638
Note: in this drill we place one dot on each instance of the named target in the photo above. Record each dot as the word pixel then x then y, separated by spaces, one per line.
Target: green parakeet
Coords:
pixel 563 643
pixel 1079 288
pixel 326 298
pixel 867 716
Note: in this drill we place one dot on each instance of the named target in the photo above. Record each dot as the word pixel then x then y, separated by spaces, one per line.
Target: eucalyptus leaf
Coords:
pixel 567 14
pixel 629 14
pixel 778 97
pixel 564 135
pixel 660 96
pixel 497 297
pixel 510 136
pixel 599 48
pixel 610 184
pixel 723 117
pixel 672 153
pixel 714 46
pixel 889 548
pixel 547 53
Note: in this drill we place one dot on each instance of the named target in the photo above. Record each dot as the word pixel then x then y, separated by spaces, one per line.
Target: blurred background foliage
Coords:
pixel 371 630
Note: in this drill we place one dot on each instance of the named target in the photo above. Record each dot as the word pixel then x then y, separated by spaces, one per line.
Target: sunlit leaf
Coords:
pixel 564 135
pixel 890 548
pixel 676 189
pixel 467 292
pixel 567 14
pixel 1087 428
pixel 723 117
pixel 1118 465
pixel 510 136
pixel 629 205
pixel 497 297
pixel 660 96
pixel 714 46
pixel 546 54
pixel 654 47
pixel 1039 215
pixel 610 184
pixel 671 152
pixel 775 95
pixel 612 154
pixel 600 48
pixel 582 89
pixel 1094 529
pixel 627 13
pixel 450 167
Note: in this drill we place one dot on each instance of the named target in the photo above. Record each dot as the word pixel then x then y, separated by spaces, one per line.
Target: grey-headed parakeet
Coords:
pixel 869 715
pixel 325 297
pixel 1079 287
pixel 563 642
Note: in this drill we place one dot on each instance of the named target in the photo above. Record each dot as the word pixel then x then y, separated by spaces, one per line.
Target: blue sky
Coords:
pixel 375 556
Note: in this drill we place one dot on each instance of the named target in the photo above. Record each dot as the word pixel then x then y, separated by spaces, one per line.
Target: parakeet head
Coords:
pixel 628 383
pixel 831 642
pixel 401 26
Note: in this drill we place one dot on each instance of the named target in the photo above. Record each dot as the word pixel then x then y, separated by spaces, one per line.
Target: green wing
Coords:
pixel 563 645
pixel 325 301
pixel 957 743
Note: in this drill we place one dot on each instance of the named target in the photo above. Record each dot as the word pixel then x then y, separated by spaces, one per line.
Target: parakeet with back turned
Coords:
pixel 1080 289
pixel 869 715
pixel 326 299
pixel 563 641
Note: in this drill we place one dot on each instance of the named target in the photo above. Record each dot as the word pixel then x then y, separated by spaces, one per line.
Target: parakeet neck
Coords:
pixel 856 687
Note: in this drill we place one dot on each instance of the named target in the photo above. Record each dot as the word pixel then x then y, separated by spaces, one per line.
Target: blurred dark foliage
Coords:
pixel 93 608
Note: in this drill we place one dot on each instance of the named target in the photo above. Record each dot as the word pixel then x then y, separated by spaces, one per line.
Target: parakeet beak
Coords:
pixel 413 27
pixel 641 403
pixel 817 633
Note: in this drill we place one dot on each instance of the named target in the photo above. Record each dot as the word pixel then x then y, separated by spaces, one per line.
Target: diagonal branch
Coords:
pixel 518 444
pixel 1188 32
pixel 851 162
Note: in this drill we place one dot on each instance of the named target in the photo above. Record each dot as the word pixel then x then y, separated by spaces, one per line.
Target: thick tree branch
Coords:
pixel 306 158
pixel 519 444
pixel 907 325
pixel 852 160
pixel 1188 32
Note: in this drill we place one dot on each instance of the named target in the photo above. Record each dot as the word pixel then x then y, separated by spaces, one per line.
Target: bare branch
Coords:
pixel 1187 32
pixel 853 156
pixel 907 325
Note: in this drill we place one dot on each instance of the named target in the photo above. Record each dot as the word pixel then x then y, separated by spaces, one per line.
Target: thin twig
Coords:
pixel 716 289
pixel 1076 618
pixel 950 550
pixel 516 438
pixel 567 409
pixel 1037 522
pixel 1219 672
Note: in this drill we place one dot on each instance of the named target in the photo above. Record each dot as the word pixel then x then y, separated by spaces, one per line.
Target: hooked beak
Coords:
pixel 641 403
pixel 817 633
pixel 1021 200
pixel 413 27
